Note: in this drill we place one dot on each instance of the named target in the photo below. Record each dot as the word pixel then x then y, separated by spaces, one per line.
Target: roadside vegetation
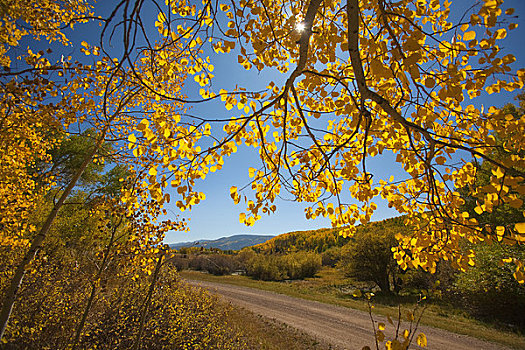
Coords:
pixel 365 263
pixel 266 267
pixel 462 302
pixel 331 286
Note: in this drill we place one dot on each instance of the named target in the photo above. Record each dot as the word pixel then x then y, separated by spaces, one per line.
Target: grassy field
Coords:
pixel 331 287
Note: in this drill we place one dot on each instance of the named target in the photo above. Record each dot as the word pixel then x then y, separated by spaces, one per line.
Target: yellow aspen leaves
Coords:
pixel 161 19
pixel 345 91
pixel 152 171
pixel 421 340
pixel 234 194
pixel 132 139
pixel 501 33
pixel 441 160
pixel 515 202
pixel 500 232
pixel 520 228
pixel 143 125
pixel 498 172
pixel 470 35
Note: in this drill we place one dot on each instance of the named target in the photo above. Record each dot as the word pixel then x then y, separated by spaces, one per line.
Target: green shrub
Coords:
pixel 264 267
pixel 488 290
pixel 442 280
pixel 280 267
pixel 301 264
pixel 216 264
pixel 369 257
pixel 331 256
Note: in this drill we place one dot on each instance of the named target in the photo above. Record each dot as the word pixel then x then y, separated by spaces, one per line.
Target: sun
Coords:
pixel 300 26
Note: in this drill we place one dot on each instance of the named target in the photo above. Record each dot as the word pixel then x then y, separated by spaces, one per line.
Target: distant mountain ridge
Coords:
pixel 235 242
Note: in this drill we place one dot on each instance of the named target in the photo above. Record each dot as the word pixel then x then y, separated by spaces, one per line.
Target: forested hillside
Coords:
pixel 318 240
pixel 315 240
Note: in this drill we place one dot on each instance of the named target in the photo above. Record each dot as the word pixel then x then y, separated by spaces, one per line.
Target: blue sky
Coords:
pixel 217 216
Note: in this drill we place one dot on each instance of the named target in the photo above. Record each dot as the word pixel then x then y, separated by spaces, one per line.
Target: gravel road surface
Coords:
pixel 341 327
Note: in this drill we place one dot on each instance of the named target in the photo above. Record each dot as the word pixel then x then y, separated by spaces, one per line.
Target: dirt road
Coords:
pixel 342 327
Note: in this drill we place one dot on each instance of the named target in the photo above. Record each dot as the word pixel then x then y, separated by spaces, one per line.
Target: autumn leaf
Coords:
pixel 421 340
pixel 470 35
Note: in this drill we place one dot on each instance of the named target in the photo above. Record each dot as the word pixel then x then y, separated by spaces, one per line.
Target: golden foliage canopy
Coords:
pixel 364 79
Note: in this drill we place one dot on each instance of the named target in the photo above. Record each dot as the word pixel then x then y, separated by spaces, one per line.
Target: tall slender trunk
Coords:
pixel 384 283
pixel 147 301
pixel 91 298
pixel 36 243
